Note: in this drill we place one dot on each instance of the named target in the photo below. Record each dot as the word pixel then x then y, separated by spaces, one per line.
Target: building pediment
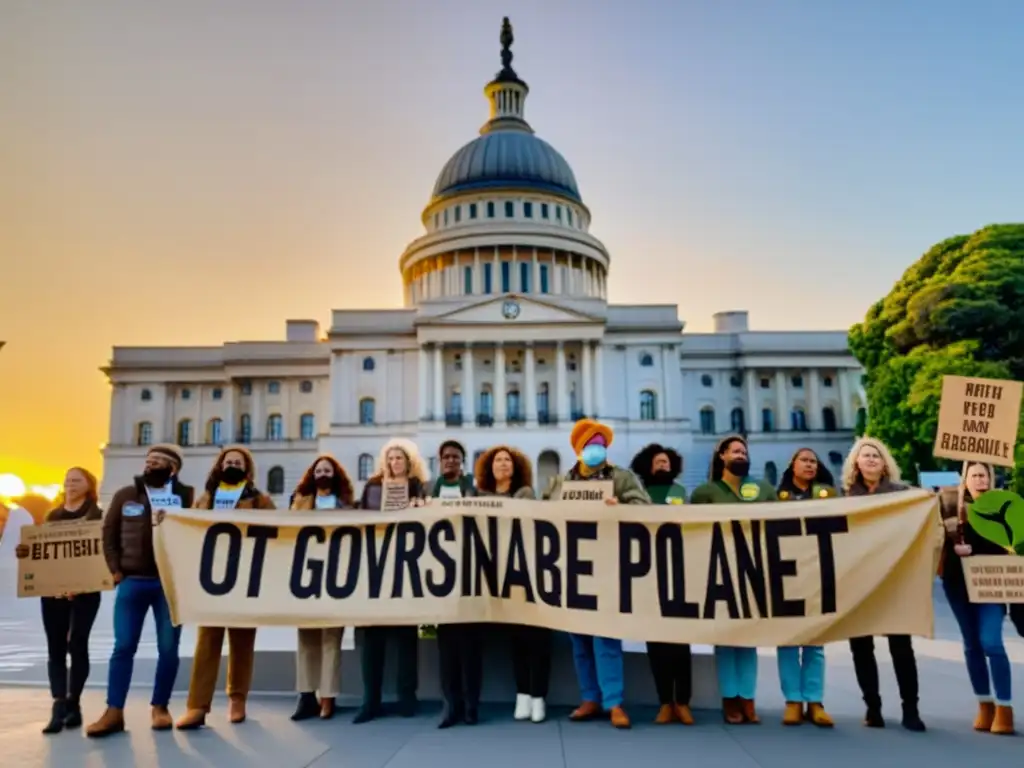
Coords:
pixel 511 310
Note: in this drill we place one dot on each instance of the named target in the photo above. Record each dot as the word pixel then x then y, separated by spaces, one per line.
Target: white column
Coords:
pixel 259 413
pixel 115 435
pixel 599 403
pixel 496 276
pixel 424 394
pixel 468 387
pixel 229 427
pixel 535 272
pixel 669 368
pixel 169 426
pixel 782 419
pixel 561 386
pixel 847 419
pixel 752 416
pixel 588 381
pixel 478 278
pixel 531 386
pixel 199 436
pixel 499 385
pixel 812 381
pixel 439 382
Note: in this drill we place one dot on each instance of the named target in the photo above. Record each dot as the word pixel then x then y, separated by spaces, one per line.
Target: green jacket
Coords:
pixel 717 492
pixel 817 491
pixel 675 494
pixel 625 485
pixel 465 485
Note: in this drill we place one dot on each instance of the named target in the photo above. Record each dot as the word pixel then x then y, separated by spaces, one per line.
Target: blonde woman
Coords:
pixel 870 469
pixel 399 461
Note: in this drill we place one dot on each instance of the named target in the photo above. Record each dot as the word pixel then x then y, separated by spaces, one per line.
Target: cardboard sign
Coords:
pixel 587 490
pixel 994 578
pixel 978 420
pixel 394 496
pixel 65 557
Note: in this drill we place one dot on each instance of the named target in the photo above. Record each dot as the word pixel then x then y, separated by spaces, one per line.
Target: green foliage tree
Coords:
pixel 958 310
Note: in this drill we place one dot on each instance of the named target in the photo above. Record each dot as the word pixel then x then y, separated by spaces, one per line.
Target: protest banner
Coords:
pixel 788 573
pixel 994 578
pixel 978 420
pixel 64 557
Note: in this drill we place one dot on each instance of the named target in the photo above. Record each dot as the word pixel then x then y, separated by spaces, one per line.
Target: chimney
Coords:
pixel 731 322
pixel 302 330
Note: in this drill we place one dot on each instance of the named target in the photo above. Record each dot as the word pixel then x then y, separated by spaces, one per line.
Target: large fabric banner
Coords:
pixel 788 573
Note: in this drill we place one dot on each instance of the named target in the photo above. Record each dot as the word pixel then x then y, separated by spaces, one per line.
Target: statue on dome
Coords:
pixel 507 39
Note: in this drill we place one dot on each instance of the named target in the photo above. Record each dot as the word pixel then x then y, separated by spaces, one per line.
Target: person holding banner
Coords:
pixel 671 663
pixel 981 624
pixel 730 483
pixel 453 483
pixel 229 485
pixel 324 485
pixel 128 548
pixel 68 620
pixel 400 481
pixel 504 471
pixel 598 660
pixel 802 668
pixel 869 469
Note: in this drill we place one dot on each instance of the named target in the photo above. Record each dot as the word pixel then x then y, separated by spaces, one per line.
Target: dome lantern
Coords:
pixel 506 92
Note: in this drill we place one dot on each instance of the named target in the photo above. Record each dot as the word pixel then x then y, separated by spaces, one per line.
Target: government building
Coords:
pixel 505 337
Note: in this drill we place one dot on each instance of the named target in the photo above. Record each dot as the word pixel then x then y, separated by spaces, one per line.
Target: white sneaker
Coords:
pixel 523 710
pixel 538 711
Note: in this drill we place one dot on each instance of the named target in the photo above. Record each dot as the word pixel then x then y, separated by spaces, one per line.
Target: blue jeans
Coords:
pixel 598 663
pixel 802 673
pixel 737 671
pixel 135 597
pixel 981 625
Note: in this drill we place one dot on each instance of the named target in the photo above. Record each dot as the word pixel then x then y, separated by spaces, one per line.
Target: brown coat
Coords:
pixel 251 498
pixel 128 539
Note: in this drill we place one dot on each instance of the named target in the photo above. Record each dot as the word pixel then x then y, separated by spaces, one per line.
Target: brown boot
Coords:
pixel 793 714
pixel 986 716
pixel 111 721
pixel 731 712
pixel 236 709
pixel 326 708
pixel 619 718
pixel 1002 724
pixel 160 719
pixel 683 714
pixel 749 711
pixel 666 715
pixel 588 710
pixel 192 720
pixel 816 714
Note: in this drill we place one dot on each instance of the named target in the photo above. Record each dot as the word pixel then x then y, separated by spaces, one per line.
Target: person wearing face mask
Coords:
pixel 128 549
pixel 869 469
pixel 400 461
pixel 229 485
pixel 598 660
pixel 802 668
pixel 730 483
pixel 324 486
pixel 658 468
pixel 981 624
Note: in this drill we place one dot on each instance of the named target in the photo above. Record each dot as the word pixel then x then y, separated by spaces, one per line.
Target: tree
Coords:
pixel 958 310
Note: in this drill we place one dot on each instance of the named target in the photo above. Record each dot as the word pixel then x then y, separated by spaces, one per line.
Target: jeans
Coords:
pixel 598 662
pixel 134 598
pixel 981 625
pixel 737 671
pixel 802 673
pixel 67 623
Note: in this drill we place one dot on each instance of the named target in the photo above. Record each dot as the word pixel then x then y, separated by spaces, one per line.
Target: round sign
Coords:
pixel 749 491
pixel 510 309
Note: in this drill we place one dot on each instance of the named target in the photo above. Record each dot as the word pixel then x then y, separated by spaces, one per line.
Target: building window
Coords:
pixel 737 422
pixel 367 411
pixel 543 403
pixel 506 277
pixel 524 277
pixel 488 278
pixel 797 380
pixel 455 403
pixel 648 406
pixel 186 394
pixel 512 403
pixel 185 432
pixel 766 383
pixel 472 210
pixel 558 212
pixel 574 409
pixel 437 221
pixel 446 217
pixel 365 466
pixel 827 382
pixel 246 388
pixel 545 213
pixel 707 381
pixel 245 429
pixel 217 393
pixel 510 209
pixel 736 381
pixel 490 209
pixel 467 280
pixel 275 427
pixel 275 481
pixel 215 432
pixel 486 409
pixel 568 216
pixel 307 426
pixel 144 433
pixel 528 210
pixel 458 213
pixel 274 387
pixel 707 420
pixel 646 361
pixel 545 286
pixel 306 386
pixel 767 420
pixel 835 458
pixel 368 364
pixel 771 473
pixel 145 395
pixel 828 418
pixel 798 420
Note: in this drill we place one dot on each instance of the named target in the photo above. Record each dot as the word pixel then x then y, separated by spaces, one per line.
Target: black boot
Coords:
pixel 57 715
pixel 472 716
pixel 407 707
pixel 873 716
pixel 73 718
pixel 366 713
pixel 307 707
pixel 912 718
pixel 452 714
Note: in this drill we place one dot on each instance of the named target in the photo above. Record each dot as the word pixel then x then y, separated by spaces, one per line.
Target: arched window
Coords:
pixel 307 426
pixel 543 403
pixel 365 466
pixel 798 420
pixel 368 364
pixel 214 432
pixel 367 411
pixel 146 395
pixel 828 418
pixel 245 429
pixel 767 420
pixel 275 481
pixel 648 406
pixel 512 405
pixel 486 401
pixel 275 427
pixel 737 423
pixel 646 361
pixel 185 432
pixel 771 473
pixel 455 402
pixel 707 420
pixel 144 433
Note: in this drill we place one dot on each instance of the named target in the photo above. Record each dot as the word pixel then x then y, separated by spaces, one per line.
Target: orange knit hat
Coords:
pixel 587 429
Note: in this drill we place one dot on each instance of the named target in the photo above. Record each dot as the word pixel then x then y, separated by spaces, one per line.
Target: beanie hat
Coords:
pixel 168 451
pixel 586 430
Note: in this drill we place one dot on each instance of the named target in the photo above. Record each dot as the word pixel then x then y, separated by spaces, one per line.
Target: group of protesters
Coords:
pixel 652 478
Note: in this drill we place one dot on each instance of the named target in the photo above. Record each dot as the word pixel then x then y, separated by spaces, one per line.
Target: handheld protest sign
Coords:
pixel 978 420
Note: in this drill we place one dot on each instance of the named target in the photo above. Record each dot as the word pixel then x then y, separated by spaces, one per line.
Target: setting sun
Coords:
pixel 11 487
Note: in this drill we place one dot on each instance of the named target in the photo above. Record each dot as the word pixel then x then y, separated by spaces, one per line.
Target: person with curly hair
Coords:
pixel 658 468
pixel 324 485
pixel 231 484
pixel 504 471
pixel 802 668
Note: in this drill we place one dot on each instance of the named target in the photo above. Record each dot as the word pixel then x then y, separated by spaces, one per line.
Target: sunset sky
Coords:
pixel 197 171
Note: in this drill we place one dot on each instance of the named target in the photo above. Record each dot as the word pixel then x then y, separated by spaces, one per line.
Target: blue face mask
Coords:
pixel 594 455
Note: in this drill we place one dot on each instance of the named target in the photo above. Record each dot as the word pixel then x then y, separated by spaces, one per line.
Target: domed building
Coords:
pixel 505 336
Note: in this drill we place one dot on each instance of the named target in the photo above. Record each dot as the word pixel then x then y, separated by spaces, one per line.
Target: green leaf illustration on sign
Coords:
pixel 999 517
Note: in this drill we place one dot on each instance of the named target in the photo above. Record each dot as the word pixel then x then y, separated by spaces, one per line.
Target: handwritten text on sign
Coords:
pixel 994 578
pixel 978 420
pixel 65 557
